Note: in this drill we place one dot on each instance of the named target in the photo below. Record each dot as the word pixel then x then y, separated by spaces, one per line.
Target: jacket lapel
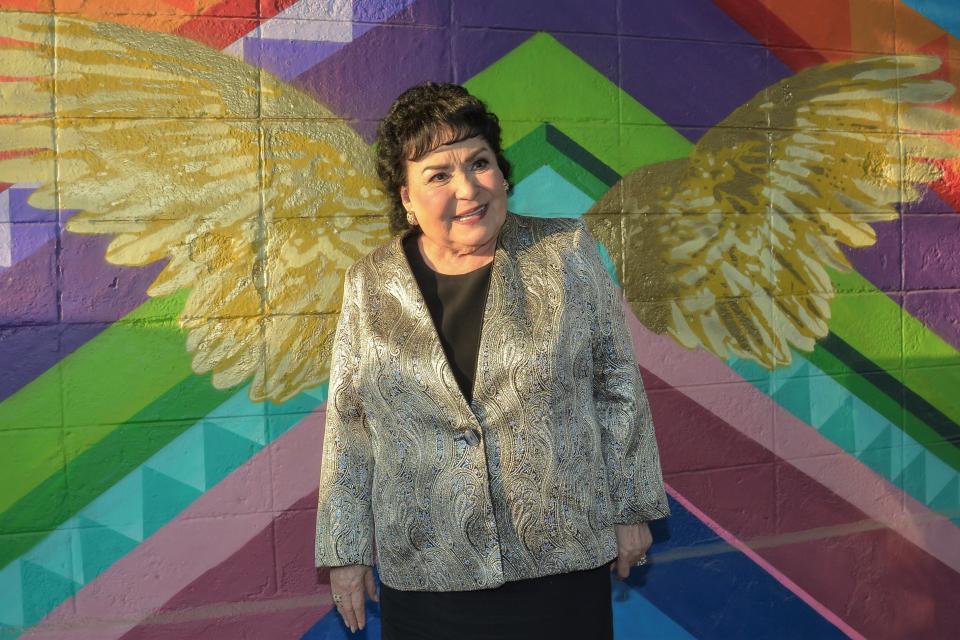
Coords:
pixel 502 281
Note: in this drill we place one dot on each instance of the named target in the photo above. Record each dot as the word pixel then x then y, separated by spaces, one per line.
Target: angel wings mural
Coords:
pixel 259 198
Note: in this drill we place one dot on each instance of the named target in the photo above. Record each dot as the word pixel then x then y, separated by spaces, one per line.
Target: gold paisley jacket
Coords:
pixel 525 481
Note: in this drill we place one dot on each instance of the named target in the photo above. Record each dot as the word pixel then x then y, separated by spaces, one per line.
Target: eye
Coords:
pixel 481 163
pixel 439 176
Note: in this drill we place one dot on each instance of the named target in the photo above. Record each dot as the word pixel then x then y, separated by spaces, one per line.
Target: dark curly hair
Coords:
pixel 421 119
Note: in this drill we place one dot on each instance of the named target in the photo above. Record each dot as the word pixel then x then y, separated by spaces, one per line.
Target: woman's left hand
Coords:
pixel 633 540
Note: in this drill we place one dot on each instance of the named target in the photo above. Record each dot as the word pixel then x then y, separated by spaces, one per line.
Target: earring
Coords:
pixel 411 219
pixel 506 186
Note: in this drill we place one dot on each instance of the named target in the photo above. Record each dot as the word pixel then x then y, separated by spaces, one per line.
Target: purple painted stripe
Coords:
pixel 95 293
pixel 929 234
pixel 693 83
pixel 28 288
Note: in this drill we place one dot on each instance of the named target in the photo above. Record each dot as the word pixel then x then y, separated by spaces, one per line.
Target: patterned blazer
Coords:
pixel 529 478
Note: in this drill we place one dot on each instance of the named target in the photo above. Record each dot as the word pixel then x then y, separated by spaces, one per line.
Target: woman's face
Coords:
pixel 457 194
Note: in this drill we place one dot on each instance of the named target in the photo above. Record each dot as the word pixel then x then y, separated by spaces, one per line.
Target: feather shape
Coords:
pixel 728 249
pixel 160 143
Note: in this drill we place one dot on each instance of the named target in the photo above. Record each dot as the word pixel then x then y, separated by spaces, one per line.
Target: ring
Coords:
pixel 642 561
pixel 337 598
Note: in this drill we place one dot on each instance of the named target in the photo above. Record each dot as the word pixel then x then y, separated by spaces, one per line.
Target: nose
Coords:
pixel 466 185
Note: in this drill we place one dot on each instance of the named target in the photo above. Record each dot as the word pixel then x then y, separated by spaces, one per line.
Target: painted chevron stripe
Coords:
pixel 204 535
pixel 146 499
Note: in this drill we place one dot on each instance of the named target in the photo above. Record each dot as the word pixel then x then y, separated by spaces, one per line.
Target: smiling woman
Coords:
pixel 458 196
pixel 486 420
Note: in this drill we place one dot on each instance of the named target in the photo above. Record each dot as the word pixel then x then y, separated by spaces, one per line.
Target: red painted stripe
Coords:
pixel 242 598
pixel 767 27
pixel 230 20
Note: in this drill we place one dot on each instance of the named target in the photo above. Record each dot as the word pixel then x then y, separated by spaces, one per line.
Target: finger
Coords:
pixel 623 567
pixel 346 612
pixel 359 616
pixel 371 585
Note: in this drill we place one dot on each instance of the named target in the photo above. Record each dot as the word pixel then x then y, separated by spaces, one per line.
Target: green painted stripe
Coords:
pixel 590 115
pixel 860 385
pixel 546 145
pixel 879 328
pixel 105 382
pixel 116 453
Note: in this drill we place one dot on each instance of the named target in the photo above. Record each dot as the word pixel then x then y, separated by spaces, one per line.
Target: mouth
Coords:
pixel 471 215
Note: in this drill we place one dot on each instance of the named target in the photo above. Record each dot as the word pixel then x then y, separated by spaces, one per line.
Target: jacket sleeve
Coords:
pixel 344 515
pixel 623 411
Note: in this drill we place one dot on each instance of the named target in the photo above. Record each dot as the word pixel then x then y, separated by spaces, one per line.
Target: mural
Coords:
pixel 776 187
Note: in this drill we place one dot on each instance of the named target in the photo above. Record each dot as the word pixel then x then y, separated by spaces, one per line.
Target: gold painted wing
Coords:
pixel 159 142
pixel 728 248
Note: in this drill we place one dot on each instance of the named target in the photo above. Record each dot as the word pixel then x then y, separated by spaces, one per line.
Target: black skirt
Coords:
pixel 572 605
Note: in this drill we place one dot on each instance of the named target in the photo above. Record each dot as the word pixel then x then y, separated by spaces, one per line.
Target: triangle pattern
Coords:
pixel 249 428
pixel 939 475
pixel 182 459
pixel 53 553
pixel 128 520
pixel 166 496
pixel 225 452
pixel 46 591
pixel 11 586
pixel 826 399
pixel 794 395
pixel 878 454
pixel 545 192
pixel 252 428
pixel 838 427
pixel 867 424
pixel 948 500
pixel 99 547
pixel 913 477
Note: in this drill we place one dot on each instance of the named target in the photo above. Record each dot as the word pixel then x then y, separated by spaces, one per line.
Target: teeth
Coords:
pixel 475 213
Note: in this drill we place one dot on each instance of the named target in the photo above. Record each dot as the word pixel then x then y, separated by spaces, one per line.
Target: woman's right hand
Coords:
pixel 349 582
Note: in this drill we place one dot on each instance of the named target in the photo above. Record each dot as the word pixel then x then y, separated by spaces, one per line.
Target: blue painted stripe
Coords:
pixel 715 591
pixel 946 13
pixel 700 588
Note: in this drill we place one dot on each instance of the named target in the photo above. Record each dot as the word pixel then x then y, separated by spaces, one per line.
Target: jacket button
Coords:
pixel 470 436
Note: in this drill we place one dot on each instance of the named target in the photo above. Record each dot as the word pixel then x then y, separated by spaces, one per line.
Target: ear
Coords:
pixel 405 196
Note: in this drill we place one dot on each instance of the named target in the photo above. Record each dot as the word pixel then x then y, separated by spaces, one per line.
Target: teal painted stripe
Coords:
pixel 946 13
pixel 142 502
pixel 546 190
pixel 636 617
pixel 853 425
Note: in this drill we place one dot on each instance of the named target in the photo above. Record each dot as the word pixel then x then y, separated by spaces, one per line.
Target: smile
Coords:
pixel 472 215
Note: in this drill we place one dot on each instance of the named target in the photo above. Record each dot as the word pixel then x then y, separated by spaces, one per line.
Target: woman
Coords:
pixel 486 419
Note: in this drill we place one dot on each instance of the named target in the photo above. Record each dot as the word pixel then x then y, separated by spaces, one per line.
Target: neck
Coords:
pixel 452 260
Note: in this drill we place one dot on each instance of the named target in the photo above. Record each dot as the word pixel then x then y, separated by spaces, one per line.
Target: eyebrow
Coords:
pixel 444 166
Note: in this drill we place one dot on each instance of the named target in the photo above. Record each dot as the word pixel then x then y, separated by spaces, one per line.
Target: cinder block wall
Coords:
pixel 786 235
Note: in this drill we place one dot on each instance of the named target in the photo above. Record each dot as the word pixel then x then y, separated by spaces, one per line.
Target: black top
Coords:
pixel 456 304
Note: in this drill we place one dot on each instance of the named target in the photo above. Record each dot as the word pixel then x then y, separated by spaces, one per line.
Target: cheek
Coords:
pixel 437 203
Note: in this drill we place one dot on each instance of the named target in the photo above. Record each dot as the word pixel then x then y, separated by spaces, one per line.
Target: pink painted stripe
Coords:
pixel 778 575
pixel 204 535
pixel 709 382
